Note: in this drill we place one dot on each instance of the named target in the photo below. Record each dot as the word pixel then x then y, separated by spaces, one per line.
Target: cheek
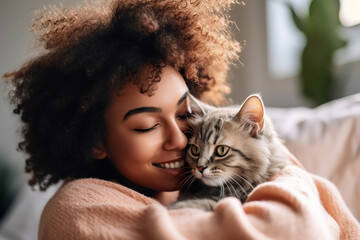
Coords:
pixel 143 149
pixel 134 149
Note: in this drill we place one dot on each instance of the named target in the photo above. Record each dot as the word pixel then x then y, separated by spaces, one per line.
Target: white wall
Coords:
pixel 254 76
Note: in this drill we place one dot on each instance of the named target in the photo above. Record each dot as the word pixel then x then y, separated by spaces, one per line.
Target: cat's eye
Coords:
pixel 194 151
pixel 222 150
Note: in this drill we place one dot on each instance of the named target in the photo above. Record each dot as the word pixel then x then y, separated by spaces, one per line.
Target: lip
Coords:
pixel 170 161
pixel 174 171
pixel 171 171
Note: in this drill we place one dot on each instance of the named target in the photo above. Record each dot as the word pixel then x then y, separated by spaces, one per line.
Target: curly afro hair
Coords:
pixel 89 53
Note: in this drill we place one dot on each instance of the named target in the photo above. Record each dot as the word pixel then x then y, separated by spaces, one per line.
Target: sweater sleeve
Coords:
pixel 295 205
pixel 289 207
pixel 93 209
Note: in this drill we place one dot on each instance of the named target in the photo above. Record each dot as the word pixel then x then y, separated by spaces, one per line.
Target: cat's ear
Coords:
pixel 196 107
pixel 252 113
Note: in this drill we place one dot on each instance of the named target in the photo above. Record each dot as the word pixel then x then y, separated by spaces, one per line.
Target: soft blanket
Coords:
pixel 294 205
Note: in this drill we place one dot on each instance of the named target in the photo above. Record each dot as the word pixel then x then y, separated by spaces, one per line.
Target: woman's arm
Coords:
pixel 290 207
pixel 295 205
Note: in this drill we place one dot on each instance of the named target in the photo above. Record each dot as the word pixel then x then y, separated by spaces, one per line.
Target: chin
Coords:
pixel 212 182
pixel 167 189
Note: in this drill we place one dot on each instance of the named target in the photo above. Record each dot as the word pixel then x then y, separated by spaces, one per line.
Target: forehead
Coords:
pixel 214 126
pixel 168 92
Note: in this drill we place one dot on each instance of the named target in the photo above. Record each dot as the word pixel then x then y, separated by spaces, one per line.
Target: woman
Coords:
pixel 104 110
pixel 92 53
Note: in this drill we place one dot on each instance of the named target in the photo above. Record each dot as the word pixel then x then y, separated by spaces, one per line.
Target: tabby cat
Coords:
pixel 230 152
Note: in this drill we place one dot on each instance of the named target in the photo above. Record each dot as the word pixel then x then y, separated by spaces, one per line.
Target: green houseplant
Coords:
pixel 321 30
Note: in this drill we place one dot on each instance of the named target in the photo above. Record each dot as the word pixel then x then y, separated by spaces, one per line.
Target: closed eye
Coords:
pixel 184 116
pixel 143 130
pixel 181 117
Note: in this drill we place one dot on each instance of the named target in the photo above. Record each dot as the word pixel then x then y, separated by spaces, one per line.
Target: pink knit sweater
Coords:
pixel 294 205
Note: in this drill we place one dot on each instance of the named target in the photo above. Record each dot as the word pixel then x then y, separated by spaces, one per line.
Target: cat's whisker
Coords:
pixel 237 183
pixel 263 177
pixel 191 182
pixel 235 192
pixel 223 185
pixel 241 187
pixel 184 181
pixel 222 191
pixel 187 181
pixel 185 176
pixel 233 188
pixel 226 184
pixel 189 177
pixel 186 172
pixel 245 180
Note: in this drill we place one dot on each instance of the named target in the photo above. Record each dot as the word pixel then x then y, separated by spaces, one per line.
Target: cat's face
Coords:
pixel 227 146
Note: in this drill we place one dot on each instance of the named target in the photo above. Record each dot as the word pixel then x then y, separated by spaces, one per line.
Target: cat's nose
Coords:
pixel 201 169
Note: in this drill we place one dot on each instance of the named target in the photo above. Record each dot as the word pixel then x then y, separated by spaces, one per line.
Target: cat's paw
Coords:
pixel 204 204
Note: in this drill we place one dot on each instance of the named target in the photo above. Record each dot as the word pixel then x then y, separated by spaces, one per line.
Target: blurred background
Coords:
pixel 296 53
pixel 273 56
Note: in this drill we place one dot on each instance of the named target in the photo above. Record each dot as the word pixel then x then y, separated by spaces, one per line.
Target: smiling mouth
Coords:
pixel 171 165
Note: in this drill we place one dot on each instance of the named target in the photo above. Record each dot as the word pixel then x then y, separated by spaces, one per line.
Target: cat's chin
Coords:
pixel 212 182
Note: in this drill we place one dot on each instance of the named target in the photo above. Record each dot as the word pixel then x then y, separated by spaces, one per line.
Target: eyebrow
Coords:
pixel 141 110
pixel 150 109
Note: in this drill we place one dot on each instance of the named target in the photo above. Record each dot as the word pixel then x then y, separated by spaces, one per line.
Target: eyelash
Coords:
pixel 180 117
pixel 185 116
pixel 147 129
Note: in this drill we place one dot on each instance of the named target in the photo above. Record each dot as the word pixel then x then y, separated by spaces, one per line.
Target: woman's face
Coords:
pixel 145 138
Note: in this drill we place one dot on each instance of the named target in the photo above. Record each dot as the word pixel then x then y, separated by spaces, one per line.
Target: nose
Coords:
pixel 201 168
pixel 175 138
